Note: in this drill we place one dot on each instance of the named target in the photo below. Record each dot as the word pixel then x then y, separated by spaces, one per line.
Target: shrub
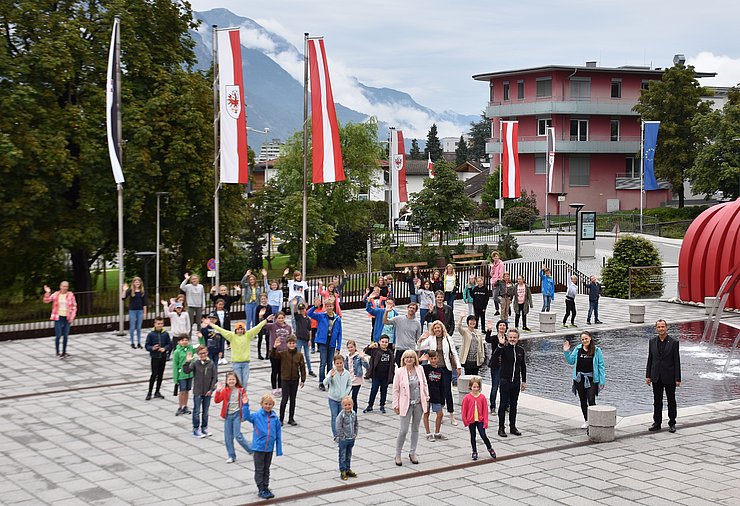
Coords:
pixel 508 247
pixel 633 251
pixel 519 218
pixel 485 249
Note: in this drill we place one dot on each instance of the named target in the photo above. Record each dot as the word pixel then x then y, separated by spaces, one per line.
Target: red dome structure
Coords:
pixel 710 250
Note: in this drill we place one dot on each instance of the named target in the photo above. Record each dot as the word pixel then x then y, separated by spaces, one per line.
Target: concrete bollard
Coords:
pixel 637 313
pixel 547 321
pixel 463 387
pixel 709 304
pixel 601 422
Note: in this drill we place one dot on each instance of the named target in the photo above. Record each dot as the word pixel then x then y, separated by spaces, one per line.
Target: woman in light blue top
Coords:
pixel 589 374
pixel 339 384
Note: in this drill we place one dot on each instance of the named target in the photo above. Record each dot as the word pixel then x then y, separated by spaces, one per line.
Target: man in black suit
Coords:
pixel 664 373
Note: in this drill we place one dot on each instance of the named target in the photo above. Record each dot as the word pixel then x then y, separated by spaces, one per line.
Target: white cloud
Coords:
pixel 726 67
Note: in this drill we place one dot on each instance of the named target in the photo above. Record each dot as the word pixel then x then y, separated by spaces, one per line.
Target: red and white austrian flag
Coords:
pixel 510 186
pixel 233 118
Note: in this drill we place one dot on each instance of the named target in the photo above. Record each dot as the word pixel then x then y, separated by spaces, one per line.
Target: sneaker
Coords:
pixel 573 325
pixel 474 456
pixel 599 322
pixel 262 494
pixel 493 409
pixel 322 387
pixel 149 396
pixel 64 355
pixel 440 437
pixel 565 326
pixel 526 329
pixel 514 431
pixel 492 453
pixel 588 322
pixel 197 433
pixel 157 395
pixel 585 425
pixel 382 409
pixel 351 473
pixel 139 346
pixel 179 411
pixel 133 347
pixel 278 392
pixel 292 422
pixel 367 409
pixel 269 494
pixel 205 432
pixel 186 411
pixel 312 374
pixel 230 460
pixel 502 433
pixel 430 437
pixel 343 475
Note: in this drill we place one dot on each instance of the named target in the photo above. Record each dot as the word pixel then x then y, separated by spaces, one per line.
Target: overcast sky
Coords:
pixel 431 48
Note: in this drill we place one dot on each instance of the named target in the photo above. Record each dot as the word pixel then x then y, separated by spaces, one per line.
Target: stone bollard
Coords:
pixel 637 313
pixel 463 387
pixel 709 304
pixel 601 422
pixel 547 321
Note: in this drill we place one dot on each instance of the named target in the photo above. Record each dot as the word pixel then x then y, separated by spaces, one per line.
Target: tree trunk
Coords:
pixel 82 281
pixel 680 195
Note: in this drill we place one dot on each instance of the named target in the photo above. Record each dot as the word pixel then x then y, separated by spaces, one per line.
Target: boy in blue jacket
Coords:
pixel 548 287
pixel 328 336
pixel 267 436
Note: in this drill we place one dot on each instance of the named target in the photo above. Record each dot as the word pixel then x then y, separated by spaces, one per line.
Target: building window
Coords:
pixel 616 89
pixel 632 167
pixel 542 125
pixel 506 91
pixel 579 171
pixel 539 164
pixel 520 90
pixel 544 87
pixel 614 135
pixel 580 89
pixel 579 129
pixel 644 85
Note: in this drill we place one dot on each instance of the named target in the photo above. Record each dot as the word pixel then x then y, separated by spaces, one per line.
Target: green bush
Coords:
pixel 508 247
pixel 519 218
pixel 633 251
pixel 485 249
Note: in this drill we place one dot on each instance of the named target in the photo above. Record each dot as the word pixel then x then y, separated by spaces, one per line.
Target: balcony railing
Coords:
pixel 569 138
pixel 591 100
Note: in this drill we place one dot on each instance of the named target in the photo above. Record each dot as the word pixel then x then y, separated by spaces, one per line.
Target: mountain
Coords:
pixel 274 87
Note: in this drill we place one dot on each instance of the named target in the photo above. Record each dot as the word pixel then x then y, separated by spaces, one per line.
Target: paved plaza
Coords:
pixel 79 431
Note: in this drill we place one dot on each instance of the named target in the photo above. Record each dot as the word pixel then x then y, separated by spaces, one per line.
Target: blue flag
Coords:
pixel 648 154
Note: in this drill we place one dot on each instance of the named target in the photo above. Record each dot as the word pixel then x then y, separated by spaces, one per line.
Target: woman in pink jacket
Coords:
pixel 496 272
pixel 410 400
pixel 63 311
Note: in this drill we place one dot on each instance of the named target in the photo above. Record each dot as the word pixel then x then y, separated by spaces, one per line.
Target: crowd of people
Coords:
pixel 414 353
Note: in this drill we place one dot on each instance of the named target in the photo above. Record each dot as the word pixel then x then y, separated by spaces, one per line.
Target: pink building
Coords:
pixel 597 134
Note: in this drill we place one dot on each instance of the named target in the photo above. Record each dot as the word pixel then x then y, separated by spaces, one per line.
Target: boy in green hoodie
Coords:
pixel 183 380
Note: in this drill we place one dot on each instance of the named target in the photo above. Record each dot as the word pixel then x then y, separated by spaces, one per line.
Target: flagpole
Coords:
pixel 642 166
pixel 304 223
pixel 216 224
pixel 547 175
pixel 391 170
pixel 119 186
pixel 500 173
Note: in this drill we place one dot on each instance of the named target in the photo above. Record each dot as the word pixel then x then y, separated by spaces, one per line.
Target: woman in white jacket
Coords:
pixel 438 339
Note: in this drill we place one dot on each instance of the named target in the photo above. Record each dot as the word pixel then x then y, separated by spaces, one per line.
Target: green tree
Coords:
pixel 52 119
pixel 717 164
pixel 480 132
pixel 461 152
pixel 433 147
pixel 676 102
pixel 490 194
pixel 633 251
pixel 442 203
pixel 415 153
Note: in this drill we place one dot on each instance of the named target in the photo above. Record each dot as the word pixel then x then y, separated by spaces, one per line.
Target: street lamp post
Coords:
pixel 577 206
pixel 156 300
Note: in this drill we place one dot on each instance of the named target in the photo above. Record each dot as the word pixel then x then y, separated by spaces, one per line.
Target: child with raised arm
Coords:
pixel 232 396
pixel 354 363
pixel 223 293
pixel 548 287
pixel 346 426
pixel 292 372
pixel 195 296
pixel 179 318
pixel 296 290
pixel 274 293
pixel 241 340
pixel 380 370
pixel 266 438
pixel 475 416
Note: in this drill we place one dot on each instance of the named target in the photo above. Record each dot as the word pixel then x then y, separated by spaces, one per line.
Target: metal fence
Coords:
pixel 474 233
pixel 655 282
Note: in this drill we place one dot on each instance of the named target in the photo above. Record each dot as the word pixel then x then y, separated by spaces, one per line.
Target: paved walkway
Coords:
pixel 79 431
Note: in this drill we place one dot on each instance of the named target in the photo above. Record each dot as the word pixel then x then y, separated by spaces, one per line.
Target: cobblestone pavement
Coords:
pixel 79 431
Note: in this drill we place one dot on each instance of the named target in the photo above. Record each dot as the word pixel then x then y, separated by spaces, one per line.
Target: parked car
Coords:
pixel 404 222
pixel 463 225
pixel 484 226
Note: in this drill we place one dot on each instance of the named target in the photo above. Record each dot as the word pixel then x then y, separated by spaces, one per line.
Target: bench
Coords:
pixel 411 264
pixel 468 259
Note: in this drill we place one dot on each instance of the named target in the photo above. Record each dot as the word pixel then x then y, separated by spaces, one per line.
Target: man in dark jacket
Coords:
pixel 204 383
pixel 442 312
pixel 513 379
pixel 663 372
pixel 158 344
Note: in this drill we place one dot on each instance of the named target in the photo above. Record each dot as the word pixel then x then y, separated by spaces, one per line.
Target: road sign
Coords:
pixel 211 264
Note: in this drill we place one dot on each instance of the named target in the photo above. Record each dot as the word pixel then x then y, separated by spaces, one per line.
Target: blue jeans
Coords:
pixel 303 345
pixel 423 315
pixel 414 298
pixel 495 381
pixel 275 309
pixel 249 310
pixel 324 360
pixel 345 454
pixel 61 329
pixel 232 430
pixel 450 298
pixel 335 407
pixel 593 307
pixel 135 321
pixel 546 301
pixel 378 384
pixel 201 402
pixel 241 369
